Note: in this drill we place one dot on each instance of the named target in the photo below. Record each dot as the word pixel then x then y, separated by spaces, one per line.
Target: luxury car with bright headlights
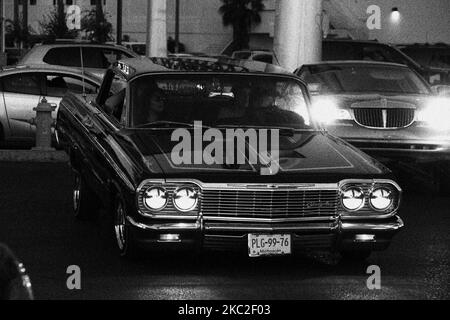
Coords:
pixel 385 109
pixel 123 143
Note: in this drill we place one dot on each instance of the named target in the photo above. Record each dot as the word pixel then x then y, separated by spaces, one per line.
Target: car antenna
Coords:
pixel 82 73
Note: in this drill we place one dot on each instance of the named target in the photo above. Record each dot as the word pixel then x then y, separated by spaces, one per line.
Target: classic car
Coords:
pixel 385 109
pixel 123 142
pixel 23 87
pixel 92 57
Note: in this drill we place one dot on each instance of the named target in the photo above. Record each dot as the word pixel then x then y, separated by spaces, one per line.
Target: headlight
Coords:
pixel 381 199
pixel 353 199
pixel 155 198
pixel 326 111
pixel 185 199
pixel 436 114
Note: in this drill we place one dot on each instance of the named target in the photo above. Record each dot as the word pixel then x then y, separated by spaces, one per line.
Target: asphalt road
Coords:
pixel 36 221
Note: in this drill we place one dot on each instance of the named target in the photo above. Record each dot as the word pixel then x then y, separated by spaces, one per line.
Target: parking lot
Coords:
pixel 36 221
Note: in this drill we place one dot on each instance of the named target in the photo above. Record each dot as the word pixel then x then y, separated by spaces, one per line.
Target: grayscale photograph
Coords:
pixel 208 153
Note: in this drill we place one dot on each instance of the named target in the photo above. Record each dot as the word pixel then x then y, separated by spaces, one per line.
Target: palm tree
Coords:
pixel 96 24
pixel 242 15
pixel 54 24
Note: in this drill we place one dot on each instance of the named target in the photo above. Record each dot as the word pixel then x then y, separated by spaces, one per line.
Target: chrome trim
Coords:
pixel 166 226
pixel 365 227
pixel 268 220
pixel 341 212
pixel 257 228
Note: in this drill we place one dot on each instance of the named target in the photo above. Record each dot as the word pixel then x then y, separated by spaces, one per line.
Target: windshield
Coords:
pixel 219 100
pixel 338 79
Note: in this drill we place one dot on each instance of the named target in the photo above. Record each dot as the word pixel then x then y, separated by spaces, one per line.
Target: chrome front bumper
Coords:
pixel 336 234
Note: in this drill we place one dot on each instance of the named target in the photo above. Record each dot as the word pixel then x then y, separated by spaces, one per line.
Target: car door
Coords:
pixel 56 85
pixel 21 94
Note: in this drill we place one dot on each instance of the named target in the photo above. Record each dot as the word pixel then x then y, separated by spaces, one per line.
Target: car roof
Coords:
pixel 357 62
pixel 48 68
pixel 131 68
pixel 37 53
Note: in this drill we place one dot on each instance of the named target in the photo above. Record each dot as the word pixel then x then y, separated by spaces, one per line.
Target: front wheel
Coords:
pixel 85 203
pixel 124 238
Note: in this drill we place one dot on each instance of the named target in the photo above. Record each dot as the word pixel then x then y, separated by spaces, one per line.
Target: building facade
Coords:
pixel 201 28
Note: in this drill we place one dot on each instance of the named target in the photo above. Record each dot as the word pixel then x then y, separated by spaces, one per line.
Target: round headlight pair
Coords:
pixel 353 199
pixel 184 199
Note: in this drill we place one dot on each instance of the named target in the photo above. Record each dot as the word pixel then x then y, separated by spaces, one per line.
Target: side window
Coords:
pixel 113 55
pixel 266 58
pixel 24 83
pixel 67 56
pixel 94 58
pixel 58 85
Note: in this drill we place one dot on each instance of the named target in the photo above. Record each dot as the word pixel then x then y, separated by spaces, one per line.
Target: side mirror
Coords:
pixel 314 88
pixel 441 90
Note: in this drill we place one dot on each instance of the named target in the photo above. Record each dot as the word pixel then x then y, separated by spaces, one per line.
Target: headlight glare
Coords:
pixel 326 111
pixel 353 199
pixel 155 198
pixel 436 114
pixel 185 199
pixel 381 199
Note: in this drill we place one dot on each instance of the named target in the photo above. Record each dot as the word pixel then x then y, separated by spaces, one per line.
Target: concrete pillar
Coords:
pixel 298 32
pixel 156 28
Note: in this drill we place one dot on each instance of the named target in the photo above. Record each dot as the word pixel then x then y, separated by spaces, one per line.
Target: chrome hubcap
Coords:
pixel 120 227
pixel 76 194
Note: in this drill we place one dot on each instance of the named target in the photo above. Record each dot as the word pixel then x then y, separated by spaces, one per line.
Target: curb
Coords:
pixel 33 156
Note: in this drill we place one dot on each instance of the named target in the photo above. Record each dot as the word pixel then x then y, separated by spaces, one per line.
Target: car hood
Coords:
pixel 348 100
pixel 304 156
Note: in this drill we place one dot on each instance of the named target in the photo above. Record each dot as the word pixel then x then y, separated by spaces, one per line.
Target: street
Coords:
pixel 36 222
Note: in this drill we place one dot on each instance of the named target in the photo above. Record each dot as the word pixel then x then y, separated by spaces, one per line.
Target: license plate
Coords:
pixel 260 245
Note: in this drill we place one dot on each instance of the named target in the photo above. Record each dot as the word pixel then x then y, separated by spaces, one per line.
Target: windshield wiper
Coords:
pixel 167 124
pixel 283 130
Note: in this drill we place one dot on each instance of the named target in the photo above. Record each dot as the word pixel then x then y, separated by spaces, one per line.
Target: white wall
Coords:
pixel 422 21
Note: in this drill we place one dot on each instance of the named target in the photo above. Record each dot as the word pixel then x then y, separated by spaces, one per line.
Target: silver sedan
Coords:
pixel 23 87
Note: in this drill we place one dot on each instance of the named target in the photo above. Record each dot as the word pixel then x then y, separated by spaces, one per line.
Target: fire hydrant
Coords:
pixel 43 123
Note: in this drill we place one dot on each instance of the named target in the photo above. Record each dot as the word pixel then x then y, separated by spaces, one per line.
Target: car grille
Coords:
pixel 384 118
pixel 270 204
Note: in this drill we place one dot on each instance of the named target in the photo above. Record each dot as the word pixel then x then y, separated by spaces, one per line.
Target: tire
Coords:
pixel 355 256
pixel 123 234
pixel 85 202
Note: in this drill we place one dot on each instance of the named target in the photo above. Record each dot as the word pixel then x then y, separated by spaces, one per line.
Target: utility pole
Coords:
pixel 2 27
pixel 156 28
pixel 119 21
pixel 177 26
pixel 25 14
pixel 298 32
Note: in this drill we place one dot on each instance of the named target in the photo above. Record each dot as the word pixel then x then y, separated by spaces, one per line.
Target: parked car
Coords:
pixel 139 48
pixel 385 109
pixel 23 87
pixel 354 50
pixel 327 194
pixel 435 58
pixel 255 55
pixel 15 284
pixel 96 58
